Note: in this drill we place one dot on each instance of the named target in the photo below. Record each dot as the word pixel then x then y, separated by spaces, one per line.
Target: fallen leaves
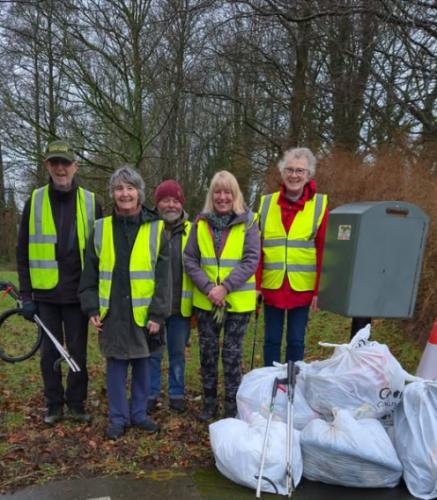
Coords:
pixel 34 452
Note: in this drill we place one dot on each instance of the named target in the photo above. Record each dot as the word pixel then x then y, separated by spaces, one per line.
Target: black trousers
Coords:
pixel 70 326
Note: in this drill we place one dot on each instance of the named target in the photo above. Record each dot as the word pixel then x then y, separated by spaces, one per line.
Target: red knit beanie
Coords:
pixel 169 188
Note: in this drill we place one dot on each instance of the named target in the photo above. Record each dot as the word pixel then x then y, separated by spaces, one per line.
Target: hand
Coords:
pixel 153 327
pixel 217 295
pixel 28 310
pixel 314 307
pixel 95 321
pixel 155 335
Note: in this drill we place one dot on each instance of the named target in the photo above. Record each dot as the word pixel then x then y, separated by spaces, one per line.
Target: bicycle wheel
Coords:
pixel 19 338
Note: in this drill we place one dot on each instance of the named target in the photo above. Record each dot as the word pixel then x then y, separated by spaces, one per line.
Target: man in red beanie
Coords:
pixel 169 200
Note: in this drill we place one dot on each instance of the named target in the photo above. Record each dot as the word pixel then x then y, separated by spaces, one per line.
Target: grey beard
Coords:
pixel 171 217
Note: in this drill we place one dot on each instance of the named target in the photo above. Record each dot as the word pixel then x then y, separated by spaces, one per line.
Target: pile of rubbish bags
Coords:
pixel 360 420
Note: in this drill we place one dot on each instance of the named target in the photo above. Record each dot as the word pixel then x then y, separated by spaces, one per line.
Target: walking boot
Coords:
pixel 55 414
pixel 209 412
pixel 177 405
pixel 78 414
pixel 230 409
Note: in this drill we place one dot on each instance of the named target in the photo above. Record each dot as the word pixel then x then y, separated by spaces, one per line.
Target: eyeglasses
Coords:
pixel 296 171
pixel 60 161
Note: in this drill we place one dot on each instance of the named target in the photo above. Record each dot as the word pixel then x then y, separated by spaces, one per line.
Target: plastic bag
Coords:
pixel 415 433
pixel 255 393
pixel 237 448
pixel 349 452
pixel 362 377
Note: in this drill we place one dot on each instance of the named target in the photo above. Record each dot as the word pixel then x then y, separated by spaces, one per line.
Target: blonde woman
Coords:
pixel 221 258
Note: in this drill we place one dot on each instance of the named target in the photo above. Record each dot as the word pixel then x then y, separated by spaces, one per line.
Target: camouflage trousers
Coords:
pixel 235 326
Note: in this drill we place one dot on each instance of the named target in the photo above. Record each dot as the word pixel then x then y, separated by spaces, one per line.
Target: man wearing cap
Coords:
pixel 53 232
pixel 169 200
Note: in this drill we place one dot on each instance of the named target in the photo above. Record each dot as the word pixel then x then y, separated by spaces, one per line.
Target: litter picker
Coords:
pixel 257 311
pixel 70 361
pixel 260 476
pixel 290 381
pixel 9 288
pixel 292 370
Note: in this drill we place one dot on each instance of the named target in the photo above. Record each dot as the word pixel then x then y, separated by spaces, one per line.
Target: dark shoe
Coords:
pixel 79 415
pixel 178 405
pixel 230 409
pixel 152 405
pixel 114 431
pixel 147 425
pixel 210 408
pixel 54 415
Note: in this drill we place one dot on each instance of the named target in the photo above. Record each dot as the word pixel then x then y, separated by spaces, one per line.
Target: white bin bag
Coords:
pixel 415 430
pixel 255 393
pixel 237 448
pixel 362 377
pixel 349 452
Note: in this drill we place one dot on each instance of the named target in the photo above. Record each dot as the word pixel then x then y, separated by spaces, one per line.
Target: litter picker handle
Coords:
pixel 259 301
pixel 274 392
pixel 257 311
pixel 290 370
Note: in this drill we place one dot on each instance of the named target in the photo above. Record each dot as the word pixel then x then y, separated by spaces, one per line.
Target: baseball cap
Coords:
pixel 60 149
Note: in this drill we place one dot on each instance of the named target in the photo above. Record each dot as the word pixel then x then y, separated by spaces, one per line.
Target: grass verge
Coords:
pixel 32 453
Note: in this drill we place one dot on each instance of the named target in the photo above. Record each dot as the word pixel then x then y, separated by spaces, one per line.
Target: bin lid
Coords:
pixel 394 208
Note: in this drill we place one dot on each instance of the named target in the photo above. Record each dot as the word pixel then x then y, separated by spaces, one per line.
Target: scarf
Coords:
pixel 218 223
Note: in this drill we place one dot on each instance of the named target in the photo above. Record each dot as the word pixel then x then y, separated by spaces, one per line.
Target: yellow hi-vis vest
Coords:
pixel 187 284
pixel 142 264
pixel 218 268
pixel 43 266
pixel 293 253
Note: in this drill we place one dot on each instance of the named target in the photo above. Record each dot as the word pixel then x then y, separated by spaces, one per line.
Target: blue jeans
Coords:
pixel 178 331
pixel 297 320
pixel 116 374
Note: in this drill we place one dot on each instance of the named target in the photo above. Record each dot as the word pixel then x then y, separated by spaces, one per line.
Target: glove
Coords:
pixel 155 341
pixel 28 309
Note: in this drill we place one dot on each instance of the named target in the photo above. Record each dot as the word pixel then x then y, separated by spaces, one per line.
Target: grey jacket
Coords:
pixel 241 273
pixel 121 337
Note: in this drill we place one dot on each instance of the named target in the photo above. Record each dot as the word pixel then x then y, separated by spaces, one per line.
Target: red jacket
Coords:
pixel 285 297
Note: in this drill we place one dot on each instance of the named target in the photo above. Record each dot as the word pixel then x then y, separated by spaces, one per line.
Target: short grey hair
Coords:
pixel 299 153
pixel 129 176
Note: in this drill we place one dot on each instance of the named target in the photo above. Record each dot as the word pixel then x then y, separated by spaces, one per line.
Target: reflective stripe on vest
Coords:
pixel 295 253
pixel 43 266
pixel 187 284
pixel 217 269
pixel 141 266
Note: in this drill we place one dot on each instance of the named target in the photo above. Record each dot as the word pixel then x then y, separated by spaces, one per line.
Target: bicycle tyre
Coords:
pixel 16 359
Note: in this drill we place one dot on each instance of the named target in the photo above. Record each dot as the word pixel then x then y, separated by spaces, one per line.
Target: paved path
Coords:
pixel 201 484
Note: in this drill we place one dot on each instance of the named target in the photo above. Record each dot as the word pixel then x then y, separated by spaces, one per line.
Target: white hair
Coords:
pixel 299 153
pixel 129 176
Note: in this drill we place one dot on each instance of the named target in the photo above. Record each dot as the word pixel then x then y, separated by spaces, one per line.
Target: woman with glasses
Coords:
pixel 293 225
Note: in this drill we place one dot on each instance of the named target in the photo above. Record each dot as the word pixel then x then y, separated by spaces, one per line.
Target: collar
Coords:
pixel 309 190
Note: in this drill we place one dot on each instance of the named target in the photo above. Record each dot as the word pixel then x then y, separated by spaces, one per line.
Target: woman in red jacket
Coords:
pixel 293 225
